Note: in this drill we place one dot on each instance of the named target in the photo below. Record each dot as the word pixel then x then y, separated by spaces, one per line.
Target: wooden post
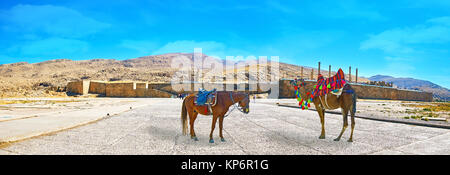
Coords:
pixel 301 72
pixel 356 75
pixel 350 74
pixel 312 74
pixel 318 70
pixel 329 71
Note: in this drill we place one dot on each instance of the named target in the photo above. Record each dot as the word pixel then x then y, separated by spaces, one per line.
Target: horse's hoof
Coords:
pixel 337 139
pixel 195 138
pixel 321 137
pixel 350 140
pixel 222 139
pixel 211 141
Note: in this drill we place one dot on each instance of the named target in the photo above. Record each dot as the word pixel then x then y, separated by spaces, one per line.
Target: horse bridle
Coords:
pixel 235 106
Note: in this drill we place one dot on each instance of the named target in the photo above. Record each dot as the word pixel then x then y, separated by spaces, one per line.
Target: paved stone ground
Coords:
pixel 268 129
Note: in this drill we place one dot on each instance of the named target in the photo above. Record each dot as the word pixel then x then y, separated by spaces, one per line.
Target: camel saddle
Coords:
pixel 335 85
pixel 332 84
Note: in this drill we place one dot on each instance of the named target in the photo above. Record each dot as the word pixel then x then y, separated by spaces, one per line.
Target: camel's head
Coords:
pixel 300 85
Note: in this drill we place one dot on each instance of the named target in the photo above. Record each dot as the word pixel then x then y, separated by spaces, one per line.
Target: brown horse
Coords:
pixel 346 101
pixel 225 99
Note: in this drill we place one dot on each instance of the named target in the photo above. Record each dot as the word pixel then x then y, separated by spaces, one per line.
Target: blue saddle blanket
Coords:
pixel 203 95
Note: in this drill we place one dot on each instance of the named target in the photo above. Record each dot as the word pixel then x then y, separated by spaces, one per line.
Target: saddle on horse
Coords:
pixel 207 98
pixel 204 97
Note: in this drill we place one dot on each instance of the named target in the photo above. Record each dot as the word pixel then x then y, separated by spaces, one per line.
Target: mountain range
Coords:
pixel 50 78
pixel 439 93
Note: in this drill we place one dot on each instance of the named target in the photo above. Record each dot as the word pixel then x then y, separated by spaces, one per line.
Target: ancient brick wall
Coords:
pixel 157 93
pixel 365 92
pixel 286 90
pixel 78 87
pixel 121 89
pixel 377 92
pixel 97 87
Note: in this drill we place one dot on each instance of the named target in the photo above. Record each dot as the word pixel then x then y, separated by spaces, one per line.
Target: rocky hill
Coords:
pixel 50 78
pixel 439 93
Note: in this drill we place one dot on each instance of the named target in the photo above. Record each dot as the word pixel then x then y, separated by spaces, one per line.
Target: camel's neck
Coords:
pixel 302 92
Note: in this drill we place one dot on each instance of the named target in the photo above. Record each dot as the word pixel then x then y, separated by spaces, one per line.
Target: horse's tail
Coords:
pixel 184 117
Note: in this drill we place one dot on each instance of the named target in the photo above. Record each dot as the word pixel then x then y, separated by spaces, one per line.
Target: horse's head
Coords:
pixel 244 104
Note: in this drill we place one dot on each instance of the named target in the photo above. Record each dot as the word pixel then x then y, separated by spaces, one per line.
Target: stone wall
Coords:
pixel 97 87
pixel 209 86
pixel 78 87
pixel 122 89
pixel 365 92
pixel 286 90
pixel 376 92
pixel 157 93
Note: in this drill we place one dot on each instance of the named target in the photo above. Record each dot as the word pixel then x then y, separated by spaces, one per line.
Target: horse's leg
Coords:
pixel 214 121
pixel 221 128
pixel 344 115
pixel 192 117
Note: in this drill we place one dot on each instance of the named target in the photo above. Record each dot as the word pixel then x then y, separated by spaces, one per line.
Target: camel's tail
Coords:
pixel 184 125
pixel 354 104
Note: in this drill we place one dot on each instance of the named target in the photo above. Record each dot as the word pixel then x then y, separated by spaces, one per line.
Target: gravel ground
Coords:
pixel 268 129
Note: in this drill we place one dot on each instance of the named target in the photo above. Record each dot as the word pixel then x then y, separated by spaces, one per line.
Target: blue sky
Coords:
pixel 401 38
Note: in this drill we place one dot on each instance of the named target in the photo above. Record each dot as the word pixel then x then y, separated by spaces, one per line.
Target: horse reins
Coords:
pixel 235 105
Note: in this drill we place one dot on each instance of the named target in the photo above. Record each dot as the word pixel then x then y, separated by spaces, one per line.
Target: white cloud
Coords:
pixel 55 21
pixel 143 47
pixel 426 4
pixel 58 47
pixel 279 7
pixel 210 48
pixel 396 68
pixel 187 46
pixel 388 58
pixel 405 40
pixel 445 21
pixel 349 9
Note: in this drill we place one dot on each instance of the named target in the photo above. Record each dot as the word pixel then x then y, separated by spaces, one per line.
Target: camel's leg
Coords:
pixel 344 115
pixel 192 117
pixel 214 121
pixel 221 128
pixel 352 114
pixel 321 112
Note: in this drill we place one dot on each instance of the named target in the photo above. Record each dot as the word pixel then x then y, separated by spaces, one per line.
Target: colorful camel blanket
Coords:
pixel 324 86
pixel 333 84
